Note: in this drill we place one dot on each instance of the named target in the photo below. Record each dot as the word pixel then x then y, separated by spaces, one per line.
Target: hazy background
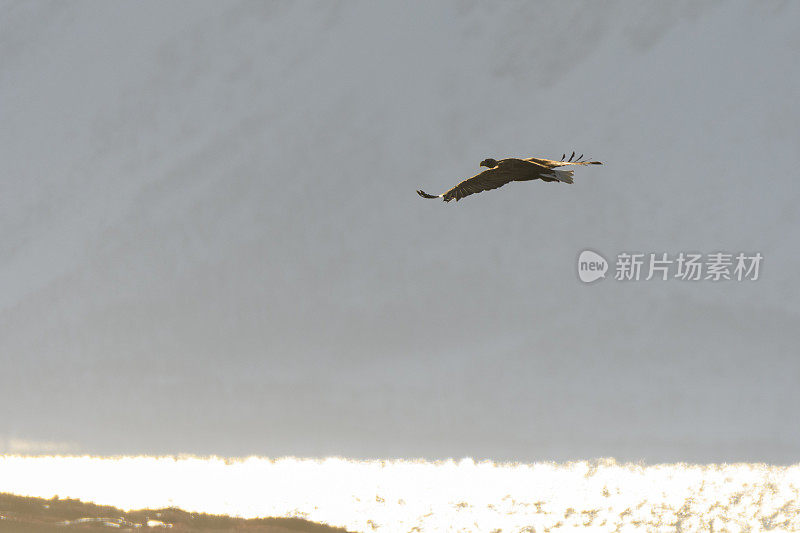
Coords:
pixel 210 240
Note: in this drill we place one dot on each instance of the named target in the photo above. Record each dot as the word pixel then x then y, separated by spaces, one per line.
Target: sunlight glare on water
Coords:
pixel 405 495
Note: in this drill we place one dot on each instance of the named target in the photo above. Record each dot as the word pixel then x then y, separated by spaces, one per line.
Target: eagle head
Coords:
pixel 489 163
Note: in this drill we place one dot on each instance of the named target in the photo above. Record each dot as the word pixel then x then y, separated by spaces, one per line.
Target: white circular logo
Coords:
pixel 591 266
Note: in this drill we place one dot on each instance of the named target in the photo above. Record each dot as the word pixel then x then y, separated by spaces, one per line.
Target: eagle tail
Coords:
pixel 564 176
pixel 426 195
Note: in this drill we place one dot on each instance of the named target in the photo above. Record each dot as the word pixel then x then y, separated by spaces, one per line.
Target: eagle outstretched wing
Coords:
pixel 550 163
pixel 485 181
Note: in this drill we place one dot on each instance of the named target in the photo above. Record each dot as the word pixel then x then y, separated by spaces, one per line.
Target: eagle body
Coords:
pixel 499 173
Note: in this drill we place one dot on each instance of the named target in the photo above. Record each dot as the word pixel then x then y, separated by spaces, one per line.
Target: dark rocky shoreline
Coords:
pixel 38 515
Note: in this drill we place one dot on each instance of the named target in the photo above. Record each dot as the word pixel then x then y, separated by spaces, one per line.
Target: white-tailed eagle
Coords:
pixel 507 170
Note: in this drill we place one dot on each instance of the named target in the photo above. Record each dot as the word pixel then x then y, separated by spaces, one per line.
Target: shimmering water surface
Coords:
pixel 404 495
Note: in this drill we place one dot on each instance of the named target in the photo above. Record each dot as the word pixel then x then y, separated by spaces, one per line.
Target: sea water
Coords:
pixel 417 495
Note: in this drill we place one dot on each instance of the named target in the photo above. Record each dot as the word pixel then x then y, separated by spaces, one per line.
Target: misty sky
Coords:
pixel 211 241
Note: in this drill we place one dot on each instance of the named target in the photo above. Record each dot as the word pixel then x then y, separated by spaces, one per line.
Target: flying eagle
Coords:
pixel 506 170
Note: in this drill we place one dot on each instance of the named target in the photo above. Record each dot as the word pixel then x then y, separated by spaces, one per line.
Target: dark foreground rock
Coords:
pixel 28 515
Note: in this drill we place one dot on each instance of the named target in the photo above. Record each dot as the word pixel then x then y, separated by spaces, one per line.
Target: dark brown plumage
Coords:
pixel 512 169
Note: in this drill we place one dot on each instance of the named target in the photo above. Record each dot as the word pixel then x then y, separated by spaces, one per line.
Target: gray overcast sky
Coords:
pixel 211 242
